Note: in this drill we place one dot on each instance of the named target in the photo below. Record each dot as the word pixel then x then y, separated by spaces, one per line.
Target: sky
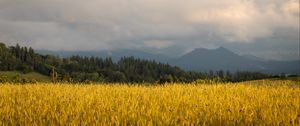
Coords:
pixel 264 28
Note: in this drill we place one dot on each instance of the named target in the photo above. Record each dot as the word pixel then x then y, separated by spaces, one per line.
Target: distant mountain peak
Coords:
pixel 197 49
pixel 222 48
pixel 219 48
pixel 216 51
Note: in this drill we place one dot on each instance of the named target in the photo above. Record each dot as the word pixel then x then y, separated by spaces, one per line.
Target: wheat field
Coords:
pixel 250 103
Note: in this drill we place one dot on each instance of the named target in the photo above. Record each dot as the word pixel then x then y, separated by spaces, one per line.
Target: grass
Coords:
pixel 32 75
pixel 266 102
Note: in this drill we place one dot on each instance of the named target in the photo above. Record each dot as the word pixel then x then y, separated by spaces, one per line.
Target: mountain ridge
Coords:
pixel 199 59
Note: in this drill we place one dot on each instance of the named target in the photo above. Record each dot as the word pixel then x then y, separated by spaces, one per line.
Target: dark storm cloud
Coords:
pixel 160 25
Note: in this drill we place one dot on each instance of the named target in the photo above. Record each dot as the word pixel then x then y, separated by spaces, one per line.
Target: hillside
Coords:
pixel 205 59
pixel 32 76
pixel 80 68
pixel 200 59
pixel 95 69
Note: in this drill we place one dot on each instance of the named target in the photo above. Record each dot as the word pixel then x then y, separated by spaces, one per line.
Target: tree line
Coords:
pixel 95 69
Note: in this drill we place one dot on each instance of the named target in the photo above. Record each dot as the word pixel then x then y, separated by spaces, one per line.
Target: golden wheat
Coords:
pixel 249 103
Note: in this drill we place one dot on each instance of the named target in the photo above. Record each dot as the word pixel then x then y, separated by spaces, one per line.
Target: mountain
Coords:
pixel 202 59
pixel 278 67
pixel 252 57
pixel 114 54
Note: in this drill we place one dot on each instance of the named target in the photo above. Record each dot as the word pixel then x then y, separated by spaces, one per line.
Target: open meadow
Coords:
pixel 265 102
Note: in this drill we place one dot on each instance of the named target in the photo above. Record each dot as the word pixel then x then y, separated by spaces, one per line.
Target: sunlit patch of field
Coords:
pixel 264 102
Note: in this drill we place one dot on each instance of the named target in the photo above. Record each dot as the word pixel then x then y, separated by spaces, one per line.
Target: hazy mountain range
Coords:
pixel 200 59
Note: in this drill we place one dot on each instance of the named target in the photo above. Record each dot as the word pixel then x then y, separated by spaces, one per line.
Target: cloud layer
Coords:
pixel 155 24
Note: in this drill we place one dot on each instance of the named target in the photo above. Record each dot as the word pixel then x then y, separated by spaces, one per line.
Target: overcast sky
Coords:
pixel 265 28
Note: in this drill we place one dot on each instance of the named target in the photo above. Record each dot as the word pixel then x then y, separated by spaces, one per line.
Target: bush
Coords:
pixel 22 80
pixel 4 79
pixel 215 80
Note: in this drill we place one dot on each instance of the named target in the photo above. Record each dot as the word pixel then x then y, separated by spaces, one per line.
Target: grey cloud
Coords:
pixel 147 24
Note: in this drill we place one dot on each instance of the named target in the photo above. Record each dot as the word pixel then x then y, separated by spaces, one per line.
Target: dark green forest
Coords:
pixel 95 69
